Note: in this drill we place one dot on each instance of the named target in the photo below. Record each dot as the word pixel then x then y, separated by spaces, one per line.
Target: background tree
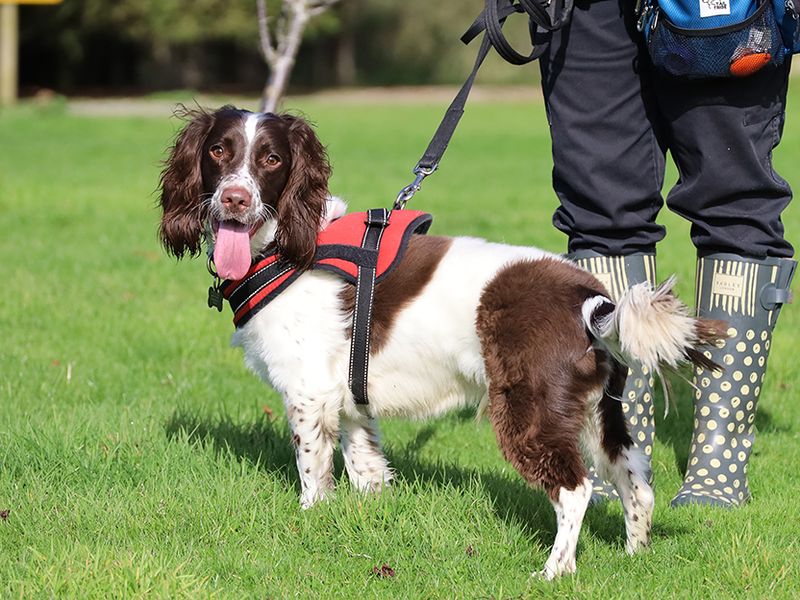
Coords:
pixel 280 46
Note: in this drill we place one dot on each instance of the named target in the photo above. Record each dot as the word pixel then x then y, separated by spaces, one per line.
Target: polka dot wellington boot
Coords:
pixel 748 294
pixel 618 273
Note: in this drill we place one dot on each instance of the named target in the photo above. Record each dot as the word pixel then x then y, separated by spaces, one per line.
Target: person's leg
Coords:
pixel 722 134
pixel 608 166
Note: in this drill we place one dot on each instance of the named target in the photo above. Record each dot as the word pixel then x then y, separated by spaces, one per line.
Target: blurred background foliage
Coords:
pixel 125 46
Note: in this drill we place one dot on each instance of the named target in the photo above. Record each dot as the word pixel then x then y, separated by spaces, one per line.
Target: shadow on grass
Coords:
pixel 512 499
pixel 267 445
pixel 261 443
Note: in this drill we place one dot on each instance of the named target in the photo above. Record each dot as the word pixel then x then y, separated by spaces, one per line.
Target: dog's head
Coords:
pixel 244 174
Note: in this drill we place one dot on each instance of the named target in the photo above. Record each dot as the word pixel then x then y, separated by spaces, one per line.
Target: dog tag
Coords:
pixel 215 297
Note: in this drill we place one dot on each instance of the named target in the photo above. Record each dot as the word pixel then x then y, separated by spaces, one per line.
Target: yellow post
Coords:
pixel 9 49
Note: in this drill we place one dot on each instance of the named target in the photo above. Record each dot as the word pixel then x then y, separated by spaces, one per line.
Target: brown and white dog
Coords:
pixel 527 335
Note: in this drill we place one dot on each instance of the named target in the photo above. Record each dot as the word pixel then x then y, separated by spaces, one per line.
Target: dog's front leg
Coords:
pixel 366 465
pixel 313 436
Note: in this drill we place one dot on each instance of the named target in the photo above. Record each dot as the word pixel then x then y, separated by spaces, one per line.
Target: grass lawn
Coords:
pixel 138 457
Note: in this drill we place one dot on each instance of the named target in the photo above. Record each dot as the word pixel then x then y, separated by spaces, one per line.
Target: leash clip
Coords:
pixel 407 193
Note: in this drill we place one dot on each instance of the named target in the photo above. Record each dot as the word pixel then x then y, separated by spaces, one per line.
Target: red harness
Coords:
pixel 340 249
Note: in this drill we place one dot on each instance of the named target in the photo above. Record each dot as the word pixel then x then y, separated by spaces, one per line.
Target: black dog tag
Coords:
pixel 215 297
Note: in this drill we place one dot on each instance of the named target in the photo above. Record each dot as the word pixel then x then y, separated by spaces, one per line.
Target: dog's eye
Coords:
pixel 217 151
pixel 273 160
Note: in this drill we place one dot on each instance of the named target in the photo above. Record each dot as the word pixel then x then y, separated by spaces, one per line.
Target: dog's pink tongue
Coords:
pixel 232 250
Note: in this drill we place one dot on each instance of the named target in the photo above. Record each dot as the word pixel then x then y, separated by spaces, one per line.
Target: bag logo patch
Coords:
pixel 714 8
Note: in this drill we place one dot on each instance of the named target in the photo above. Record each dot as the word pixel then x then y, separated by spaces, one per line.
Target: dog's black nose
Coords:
pixel 236 199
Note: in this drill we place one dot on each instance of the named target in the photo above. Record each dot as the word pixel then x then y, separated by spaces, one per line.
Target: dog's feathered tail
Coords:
pixel 652 327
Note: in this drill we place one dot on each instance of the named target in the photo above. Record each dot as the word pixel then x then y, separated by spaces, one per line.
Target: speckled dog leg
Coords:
pixel 313 437
pixel 630 472
pixel 366 464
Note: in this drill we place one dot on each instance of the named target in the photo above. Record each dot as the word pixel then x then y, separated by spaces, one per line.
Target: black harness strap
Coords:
pixel 547 15
pixel 258 281
pixel 377 220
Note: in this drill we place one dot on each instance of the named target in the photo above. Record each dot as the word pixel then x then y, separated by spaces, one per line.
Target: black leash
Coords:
pixel 547 15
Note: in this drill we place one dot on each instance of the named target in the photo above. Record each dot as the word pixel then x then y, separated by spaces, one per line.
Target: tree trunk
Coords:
pixel 280 71
pixel 276 85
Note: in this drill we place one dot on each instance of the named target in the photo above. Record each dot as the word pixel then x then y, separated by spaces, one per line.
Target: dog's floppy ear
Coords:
pixel 302 204
pixel 181 186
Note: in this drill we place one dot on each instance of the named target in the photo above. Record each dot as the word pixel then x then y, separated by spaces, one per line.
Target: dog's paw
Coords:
pixel 376 484
pixel 379 486
pixel 554 569
pixel 544 574
pixel 636 544
pixel 310 498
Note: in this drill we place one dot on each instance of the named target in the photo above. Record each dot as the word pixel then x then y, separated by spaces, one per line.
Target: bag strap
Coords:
pixel 547 15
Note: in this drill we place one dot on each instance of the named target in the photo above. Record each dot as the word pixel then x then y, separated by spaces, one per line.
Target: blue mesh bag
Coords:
pixel 716 38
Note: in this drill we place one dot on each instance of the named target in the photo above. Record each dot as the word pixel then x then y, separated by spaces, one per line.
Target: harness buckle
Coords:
pixel 407 193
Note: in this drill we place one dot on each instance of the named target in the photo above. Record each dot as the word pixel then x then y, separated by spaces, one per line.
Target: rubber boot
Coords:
pixel 618 273
pixel 748 294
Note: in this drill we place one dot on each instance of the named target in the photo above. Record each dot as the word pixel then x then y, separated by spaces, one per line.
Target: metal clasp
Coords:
pixel 644 10
pixel 211 267
pixel 412 188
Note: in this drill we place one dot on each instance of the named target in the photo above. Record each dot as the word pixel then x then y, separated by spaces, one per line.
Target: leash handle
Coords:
pixel 545 14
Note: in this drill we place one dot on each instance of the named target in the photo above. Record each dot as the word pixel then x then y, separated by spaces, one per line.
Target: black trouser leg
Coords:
pixel 608 163
pixel 721 135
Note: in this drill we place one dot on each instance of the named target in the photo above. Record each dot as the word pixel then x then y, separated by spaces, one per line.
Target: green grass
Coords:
pixel 138 458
